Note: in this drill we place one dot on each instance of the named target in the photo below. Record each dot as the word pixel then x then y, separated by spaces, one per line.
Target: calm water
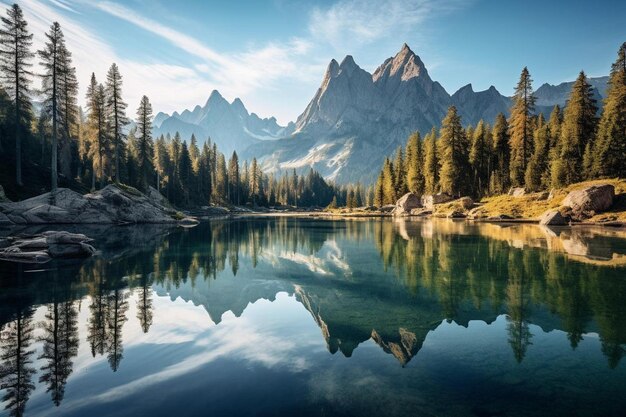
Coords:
pixel 307 317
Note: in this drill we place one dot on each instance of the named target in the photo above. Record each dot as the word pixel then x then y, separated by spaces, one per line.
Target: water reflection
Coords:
pixel 393 283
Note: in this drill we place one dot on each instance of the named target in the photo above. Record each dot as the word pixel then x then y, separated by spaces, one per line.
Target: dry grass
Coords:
pixel 530 207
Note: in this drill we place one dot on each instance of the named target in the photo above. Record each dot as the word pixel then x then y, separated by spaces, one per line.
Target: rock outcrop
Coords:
pixel 111 205
pixel 553 218
pixel 517 192
pixel 590 200
pixel 406 203
pixel 43 247
pixel 429 200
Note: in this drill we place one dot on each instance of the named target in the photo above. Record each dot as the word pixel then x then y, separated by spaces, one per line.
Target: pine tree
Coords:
pixel 185 172
pixel 254 181
pixel 379 190
pixel 577 130
pixel 431 163
pixel 117 113
pixel 480 158
pixel 68 110
pixel 99 144
pixel 144 141
pixel 51 85
pixel 221 180
pixel 160 161
pixel 521 127
pixel 609 153
pixel 537 172
pixel 454 159
pixel 415 164
pixel 389 183
pixel 500 177
pixel 233 179
pixel 399 173
pixel 15 74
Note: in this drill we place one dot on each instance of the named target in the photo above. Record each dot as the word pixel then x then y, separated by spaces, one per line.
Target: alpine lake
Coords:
pixel 288 316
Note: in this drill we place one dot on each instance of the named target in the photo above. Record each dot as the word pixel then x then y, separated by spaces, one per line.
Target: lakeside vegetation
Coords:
pixel 525 150
pixel 54 142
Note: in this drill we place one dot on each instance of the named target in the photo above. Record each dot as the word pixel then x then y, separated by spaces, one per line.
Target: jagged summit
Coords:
pixel 405 64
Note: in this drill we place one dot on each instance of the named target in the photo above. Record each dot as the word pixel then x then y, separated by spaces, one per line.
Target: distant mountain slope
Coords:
pixel 227 124
pixel 356 119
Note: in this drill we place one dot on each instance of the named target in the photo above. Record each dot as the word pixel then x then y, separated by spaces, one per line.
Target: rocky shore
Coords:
pixel 594 203
pixel 114 204
pixel 41 248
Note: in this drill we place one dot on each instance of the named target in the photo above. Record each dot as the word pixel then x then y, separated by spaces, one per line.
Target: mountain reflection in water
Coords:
pixel 361 281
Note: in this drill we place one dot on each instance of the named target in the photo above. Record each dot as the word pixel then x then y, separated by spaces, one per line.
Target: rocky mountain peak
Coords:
pixel 239 108
pixel 331 72
pixel 348 65
pixel 215 97
pixel 405 65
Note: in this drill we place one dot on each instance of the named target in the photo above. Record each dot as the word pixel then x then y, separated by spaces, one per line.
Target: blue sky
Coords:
pixel 272 54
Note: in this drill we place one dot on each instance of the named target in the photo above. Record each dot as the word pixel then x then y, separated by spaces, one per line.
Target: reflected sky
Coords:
pixel 317 318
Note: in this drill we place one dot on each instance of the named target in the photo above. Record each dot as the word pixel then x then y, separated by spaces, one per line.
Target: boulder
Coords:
pixel 466 202
pixel 500 217
pixel 517 191
pixel 43 247
pixel 553 218
pixel 388 208
pixel 188 222
pixel 590 200
pixel 113 204
pixel 477 213
pixel 3 197
pixel 542 196
pixel 406 203
pixel 430 200
pixel 421 212
pixel 71 250
pixel 455 214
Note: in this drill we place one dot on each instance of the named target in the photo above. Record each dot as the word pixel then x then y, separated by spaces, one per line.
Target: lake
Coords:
pixel 309 317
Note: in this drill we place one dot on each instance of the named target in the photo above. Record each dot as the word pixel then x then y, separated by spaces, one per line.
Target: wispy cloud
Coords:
pixel 255 73
pixel 359 22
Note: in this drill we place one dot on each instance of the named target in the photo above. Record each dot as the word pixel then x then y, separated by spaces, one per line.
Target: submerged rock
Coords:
pixel 553 218
pixel 43 247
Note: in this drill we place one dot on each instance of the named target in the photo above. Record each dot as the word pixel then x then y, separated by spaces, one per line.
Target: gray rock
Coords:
pixel 4 219
pixel 430 200
pixel 37 257
pixel 387 208
pixel 71 250
pixel 421 212
pixel 3 197
pixel 553 218
pixel 456 215
pixel 590 200
pixel 517 191
pixel 406 203
pixel 112 204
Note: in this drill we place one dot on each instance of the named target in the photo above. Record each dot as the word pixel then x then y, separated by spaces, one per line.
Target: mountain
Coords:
pixel 229 125
pixel 484 105
pixel 549 95
pixel 356 119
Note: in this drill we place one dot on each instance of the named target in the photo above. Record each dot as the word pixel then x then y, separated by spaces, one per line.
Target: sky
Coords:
pixel 273 53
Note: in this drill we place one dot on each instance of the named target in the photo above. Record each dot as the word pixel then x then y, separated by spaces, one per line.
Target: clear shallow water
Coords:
pixel 307 317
